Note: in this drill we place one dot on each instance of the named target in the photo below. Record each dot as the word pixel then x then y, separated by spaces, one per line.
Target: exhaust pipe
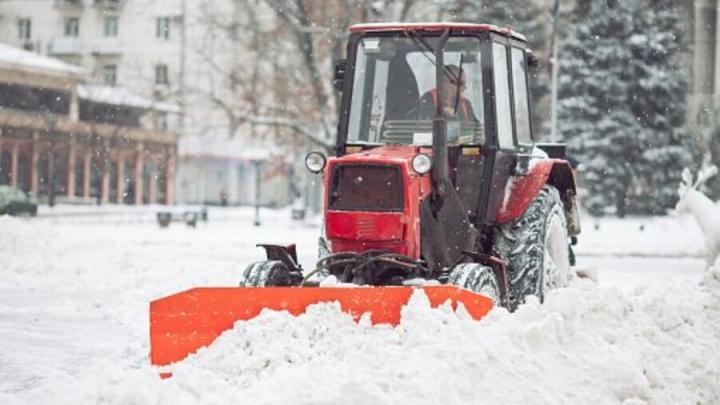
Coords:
pixel 440 177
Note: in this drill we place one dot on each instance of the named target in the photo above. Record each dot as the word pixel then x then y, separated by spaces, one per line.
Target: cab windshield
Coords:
pixel 394 95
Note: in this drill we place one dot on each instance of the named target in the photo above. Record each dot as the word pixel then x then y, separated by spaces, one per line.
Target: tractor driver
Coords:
pixel 451 82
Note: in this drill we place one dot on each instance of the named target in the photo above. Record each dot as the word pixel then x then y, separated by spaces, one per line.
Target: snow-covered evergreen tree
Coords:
pixel 658 102
pixel 622 104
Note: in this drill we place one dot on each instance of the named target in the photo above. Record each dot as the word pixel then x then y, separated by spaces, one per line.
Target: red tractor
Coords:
pixel 436 183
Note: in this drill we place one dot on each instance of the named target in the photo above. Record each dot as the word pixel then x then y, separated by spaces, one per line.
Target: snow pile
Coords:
pixel 74 327
pixel 583 344
pixel 711 279
pixel 23 238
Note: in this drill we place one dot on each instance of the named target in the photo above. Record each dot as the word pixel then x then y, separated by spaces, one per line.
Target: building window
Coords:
pixel 72 26
pixel 24 28
pixel 162 30
pixel 111 26
pixel 161 74
pixel 109 74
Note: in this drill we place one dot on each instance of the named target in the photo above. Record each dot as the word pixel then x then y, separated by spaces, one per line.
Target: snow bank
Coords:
pixel 583 345
pixel 73 327
pixel 26 239
pixel 641 236
pixel 711 279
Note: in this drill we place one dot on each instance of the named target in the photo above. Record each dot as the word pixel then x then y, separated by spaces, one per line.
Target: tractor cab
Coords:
pixel 467 83
pixel 434 124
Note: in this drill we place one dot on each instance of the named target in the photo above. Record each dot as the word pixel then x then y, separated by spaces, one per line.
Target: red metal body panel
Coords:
pixel 396 26
pixel 523 189
pixel 369 226
pixel 359 231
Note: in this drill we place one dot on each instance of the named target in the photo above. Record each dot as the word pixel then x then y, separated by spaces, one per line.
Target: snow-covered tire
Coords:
pixel 536 248
pixel 476 278
pixel 269 273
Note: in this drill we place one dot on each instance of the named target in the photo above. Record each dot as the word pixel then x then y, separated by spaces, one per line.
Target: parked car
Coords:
pixel 14 201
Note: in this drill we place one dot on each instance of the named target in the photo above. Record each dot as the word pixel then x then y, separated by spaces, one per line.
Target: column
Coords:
pixel 153 188
pixel 704 52
pixel 704 60
pixel 74 113
pixel 14 164
pixel 120 177
pixel 87 160
pixel 139 164
pixel 51 172
pixel 105 183
pixel 71 169
pixel 1 150
pixel 170 165
pixel 34 163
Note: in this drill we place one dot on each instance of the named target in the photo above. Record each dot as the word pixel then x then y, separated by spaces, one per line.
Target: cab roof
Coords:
pixel 441 26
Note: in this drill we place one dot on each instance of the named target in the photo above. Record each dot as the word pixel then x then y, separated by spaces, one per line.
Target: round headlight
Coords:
pixel 421 163
pixel 315 162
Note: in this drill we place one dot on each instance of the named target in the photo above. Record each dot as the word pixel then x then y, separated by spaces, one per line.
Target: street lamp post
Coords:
pixel 257 163
pixel 257 157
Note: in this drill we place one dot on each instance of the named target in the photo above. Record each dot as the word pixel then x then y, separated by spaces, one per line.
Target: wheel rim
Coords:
pixel 556 263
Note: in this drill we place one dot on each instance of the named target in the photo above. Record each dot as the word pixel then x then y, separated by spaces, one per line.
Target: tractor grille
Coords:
pixel 365 227
pixel 366 188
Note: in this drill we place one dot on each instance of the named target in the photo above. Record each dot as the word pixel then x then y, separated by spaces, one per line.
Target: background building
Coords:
pixel 168 51
pixel 66 140
pixel 222 171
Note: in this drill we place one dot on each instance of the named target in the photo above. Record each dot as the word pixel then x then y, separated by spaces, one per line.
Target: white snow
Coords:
pixel 74 297
pixel 19 58
pixel 121 96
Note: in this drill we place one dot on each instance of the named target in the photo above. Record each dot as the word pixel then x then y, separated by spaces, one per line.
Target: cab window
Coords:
pixel 394 95
pixel 503 112
pixel 520 97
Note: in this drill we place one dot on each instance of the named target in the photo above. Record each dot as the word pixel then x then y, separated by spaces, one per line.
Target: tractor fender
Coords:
pixel 521 190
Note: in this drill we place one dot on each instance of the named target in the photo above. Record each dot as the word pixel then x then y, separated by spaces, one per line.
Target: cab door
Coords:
pixel 507 109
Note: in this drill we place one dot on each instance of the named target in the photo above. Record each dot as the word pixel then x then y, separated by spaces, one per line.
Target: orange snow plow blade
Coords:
pixel 182 323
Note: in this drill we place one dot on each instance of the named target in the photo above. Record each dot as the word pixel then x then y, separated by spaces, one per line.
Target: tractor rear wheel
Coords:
pixel 476 278
pixel 269 273
pixel 536 248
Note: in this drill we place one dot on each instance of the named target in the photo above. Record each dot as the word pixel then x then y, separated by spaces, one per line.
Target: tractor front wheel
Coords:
pixel 536 248
pixel 269 273
pixel 476 278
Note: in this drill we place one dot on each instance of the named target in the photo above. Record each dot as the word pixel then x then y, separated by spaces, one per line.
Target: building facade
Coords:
pixel 170 51
pixel 68 141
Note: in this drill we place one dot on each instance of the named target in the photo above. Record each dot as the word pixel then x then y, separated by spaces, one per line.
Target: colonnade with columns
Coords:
pixel 85 167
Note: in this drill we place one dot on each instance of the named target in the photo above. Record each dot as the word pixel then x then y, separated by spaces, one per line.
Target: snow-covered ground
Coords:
pixel 75 289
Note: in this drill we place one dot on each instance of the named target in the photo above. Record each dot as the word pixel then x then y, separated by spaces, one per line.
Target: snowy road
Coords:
pixel 74 296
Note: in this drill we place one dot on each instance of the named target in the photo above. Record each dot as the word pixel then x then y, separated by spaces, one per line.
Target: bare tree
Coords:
pixel 281 60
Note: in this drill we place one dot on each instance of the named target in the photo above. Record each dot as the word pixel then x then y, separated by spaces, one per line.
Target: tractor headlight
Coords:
pixel 315 162
pixel 421 163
